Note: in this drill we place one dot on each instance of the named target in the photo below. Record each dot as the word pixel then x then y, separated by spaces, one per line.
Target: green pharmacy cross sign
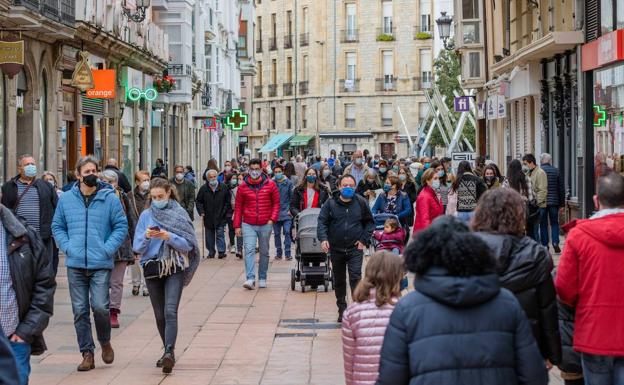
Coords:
pixel 135 94
pixel 600 116
pixel 236 120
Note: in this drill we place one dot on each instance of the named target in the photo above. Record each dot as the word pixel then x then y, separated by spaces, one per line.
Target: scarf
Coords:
pixel 175 219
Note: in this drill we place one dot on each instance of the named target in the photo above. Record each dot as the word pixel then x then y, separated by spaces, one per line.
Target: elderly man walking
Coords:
pixel 555 200
pixel 213 203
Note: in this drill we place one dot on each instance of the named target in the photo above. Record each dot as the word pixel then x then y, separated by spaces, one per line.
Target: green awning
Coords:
pixel 301 140
pixel 275 142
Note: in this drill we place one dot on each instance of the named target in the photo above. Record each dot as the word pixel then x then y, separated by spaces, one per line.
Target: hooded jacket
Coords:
pixel 90 235
pixel 525 268
pixel 459 330
pixel 32 280
pixel 256 204
pixel 589 277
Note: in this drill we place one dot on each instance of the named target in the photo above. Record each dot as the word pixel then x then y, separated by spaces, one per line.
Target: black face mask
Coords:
pixel 490 179
pixel 90 180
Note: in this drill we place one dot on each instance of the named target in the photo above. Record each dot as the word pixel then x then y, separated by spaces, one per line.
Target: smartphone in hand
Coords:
pixel 154 228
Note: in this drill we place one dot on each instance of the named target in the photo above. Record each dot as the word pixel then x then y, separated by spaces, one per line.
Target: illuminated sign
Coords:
pixel 600 116
pixel 135 94
pixel 236 120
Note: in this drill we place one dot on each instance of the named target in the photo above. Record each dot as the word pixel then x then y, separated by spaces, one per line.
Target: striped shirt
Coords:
pixel 28 205
pixel 9 311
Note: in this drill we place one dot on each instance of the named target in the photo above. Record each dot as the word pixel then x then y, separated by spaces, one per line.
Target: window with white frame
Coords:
pixel 426 68
pixel 351 60
pixel 387 17
pixel 425 15
pixel 208 53
pixel 386 114
pixel 305 20
pixel 388 68
pixel 305 68
pixel 351 21
pixel 349 115
pixel 470 22
pixel 474 64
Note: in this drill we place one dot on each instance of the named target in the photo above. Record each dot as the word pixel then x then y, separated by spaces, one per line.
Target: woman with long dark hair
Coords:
pixel 166 243
pixel 443 190
pixel 468 189
pixel 491 176
pixel 519 181
pixel 309 194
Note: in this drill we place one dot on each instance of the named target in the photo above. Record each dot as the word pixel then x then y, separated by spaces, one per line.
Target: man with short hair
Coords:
pixel 358 168
pixel 185 189
pixel 27 288
pixel 34 200
pixel 256 209
pixel 284 222
pixel 213 203
pixel 589 278
pixel 345 227
pixel 300 167
pixel 539 181
pixel 89 226
pixel 160 171
pixel 122 180
pixel 555 200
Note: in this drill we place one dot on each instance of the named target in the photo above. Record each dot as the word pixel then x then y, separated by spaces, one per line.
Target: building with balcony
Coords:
pixel 30 101
pixel 341 74
pixel 248 138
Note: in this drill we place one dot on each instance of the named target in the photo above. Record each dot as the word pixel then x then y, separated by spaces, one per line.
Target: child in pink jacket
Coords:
pixel 364 322
pixel 391 238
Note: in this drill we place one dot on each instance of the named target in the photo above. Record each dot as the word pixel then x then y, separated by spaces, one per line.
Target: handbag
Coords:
pixel 533 212
pixel 153 269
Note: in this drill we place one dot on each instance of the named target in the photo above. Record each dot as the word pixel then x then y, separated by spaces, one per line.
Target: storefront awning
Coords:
pixel 275 142
pixel 300 140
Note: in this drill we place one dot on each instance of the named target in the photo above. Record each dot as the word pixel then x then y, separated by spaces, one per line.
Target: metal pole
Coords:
pixel 318 136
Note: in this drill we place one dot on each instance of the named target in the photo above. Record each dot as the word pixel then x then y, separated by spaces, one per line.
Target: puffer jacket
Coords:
pixel 363 328
pixel 459 330
pixel 525 269
pixel 428 208
pixel 403 209
pixel 90 236
pixel 556 188
pixel 256 204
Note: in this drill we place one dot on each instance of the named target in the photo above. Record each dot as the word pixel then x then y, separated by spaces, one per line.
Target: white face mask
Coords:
pixel 227 168
pixel 145 185
pixel 179 177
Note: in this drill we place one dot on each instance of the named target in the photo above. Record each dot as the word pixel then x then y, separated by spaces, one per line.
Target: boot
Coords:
pixel 88 362
pixel 108 355
pixel 114 321
pixel 159 363
pixel 168 360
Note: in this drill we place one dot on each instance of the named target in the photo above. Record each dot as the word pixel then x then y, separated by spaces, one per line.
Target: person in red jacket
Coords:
pixel 428 204
pixel 589 277
pixel 256 209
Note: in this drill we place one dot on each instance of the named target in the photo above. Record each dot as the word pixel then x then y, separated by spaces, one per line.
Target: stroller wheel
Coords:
pixel 303 285
pixel 292 280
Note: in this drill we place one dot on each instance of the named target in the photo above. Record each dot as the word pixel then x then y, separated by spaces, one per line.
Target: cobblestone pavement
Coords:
pixel 227 335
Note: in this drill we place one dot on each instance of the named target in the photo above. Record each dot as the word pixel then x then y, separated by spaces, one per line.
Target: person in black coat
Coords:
pixel 213 203
pixel 459 326
pixel 524 266
pixel 299 200
pixel 122 179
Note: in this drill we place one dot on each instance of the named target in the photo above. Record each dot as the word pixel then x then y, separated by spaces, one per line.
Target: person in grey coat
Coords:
pixel 284 223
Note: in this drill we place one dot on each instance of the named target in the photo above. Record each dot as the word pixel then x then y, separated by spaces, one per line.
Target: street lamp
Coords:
pixel 141 8
pixel 444 27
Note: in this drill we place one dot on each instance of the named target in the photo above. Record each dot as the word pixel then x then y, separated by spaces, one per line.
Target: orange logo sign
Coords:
pixel 103 85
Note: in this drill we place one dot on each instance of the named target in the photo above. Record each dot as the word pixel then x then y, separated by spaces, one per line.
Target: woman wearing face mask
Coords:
pixel 468 189
pixel 235 181
pixel 228 170
pixel 490 178
pixel 408 186
pixel 327 179
pixel 165 240
pixel 309 194
pixel 428 205
pixel 393 201
pixel 51 178
pixel 124 255
pixel 368 186
pixel 139 201
pixel 383 169
pixel 443 190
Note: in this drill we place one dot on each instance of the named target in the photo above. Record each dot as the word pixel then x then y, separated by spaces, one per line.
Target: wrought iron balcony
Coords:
pixel 272 89
pixel 349 85
pixel 257 91
pixel 386 83
pixel 62 11
pixel 304 39
pixel 272 44
pixel 386 34
pixel 288 41
pixel 179 69
pixel 287 89
pixel 349 36
pixel 303 88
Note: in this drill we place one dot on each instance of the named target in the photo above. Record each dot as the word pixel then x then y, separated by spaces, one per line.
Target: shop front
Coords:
pixel 274 147
pixel 301 145
pixel 603 63
pixel 346 143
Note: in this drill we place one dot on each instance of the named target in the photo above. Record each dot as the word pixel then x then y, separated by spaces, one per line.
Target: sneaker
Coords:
pixel 135 290
pixel 145 293
pixel 233 249
pixel 278 257
pixel 114 321
pixel 557 249
pixel 249 284
pixel 262 284
pixel 239 255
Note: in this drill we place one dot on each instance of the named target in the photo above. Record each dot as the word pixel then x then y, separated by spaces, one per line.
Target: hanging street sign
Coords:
pixel 236 120
pixel 11 57
pixel 210 123
pixel 83 77
pixel 462 103
pixel 135 94
pixel 104 85
pixel 600 116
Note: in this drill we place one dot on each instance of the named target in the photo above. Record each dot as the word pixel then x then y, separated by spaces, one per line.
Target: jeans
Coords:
pixel 350 260
pixel 165 294
pixel 137 275
pixel 286 227
pixel 603 370
pixel 116 284
pixel 465 216
pixel 232 235
pixel 251 236
pixel 550 213
pixel 89 288
pixel 215 235
pixel 21 351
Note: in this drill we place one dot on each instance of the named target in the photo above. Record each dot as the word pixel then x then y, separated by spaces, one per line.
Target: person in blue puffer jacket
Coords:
pixel 89 226
pixel 393 201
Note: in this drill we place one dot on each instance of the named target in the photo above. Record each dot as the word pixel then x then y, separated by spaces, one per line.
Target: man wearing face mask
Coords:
pixel 284 223
pixel 256 209
pixel 121 177
pixel 539 182
pixel 358 168
pixel 345 228
pixel 185 189
pixel 89 226
pixel 139 202
pixel 213 203
pixel 32 199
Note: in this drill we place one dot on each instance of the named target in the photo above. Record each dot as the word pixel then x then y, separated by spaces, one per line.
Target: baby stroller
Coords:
pixel 380 220
pixel 313 268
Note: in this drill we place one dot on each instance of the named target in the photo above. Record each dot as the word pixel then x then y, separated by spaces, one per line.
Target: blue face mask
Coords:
pixel 311 178
pixel 382 169
pixel 387 187
pixel 213 183
pixel 441 173
pixel 30 170
pixel 435 184
pixel 279 175
pixel 347 192
pixel 255 174
pixel 427 165
pixel 160 204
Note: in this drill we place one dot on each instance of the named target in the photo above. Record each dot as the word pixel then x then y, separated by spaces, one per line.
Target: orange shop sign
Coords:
pixel 103 85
